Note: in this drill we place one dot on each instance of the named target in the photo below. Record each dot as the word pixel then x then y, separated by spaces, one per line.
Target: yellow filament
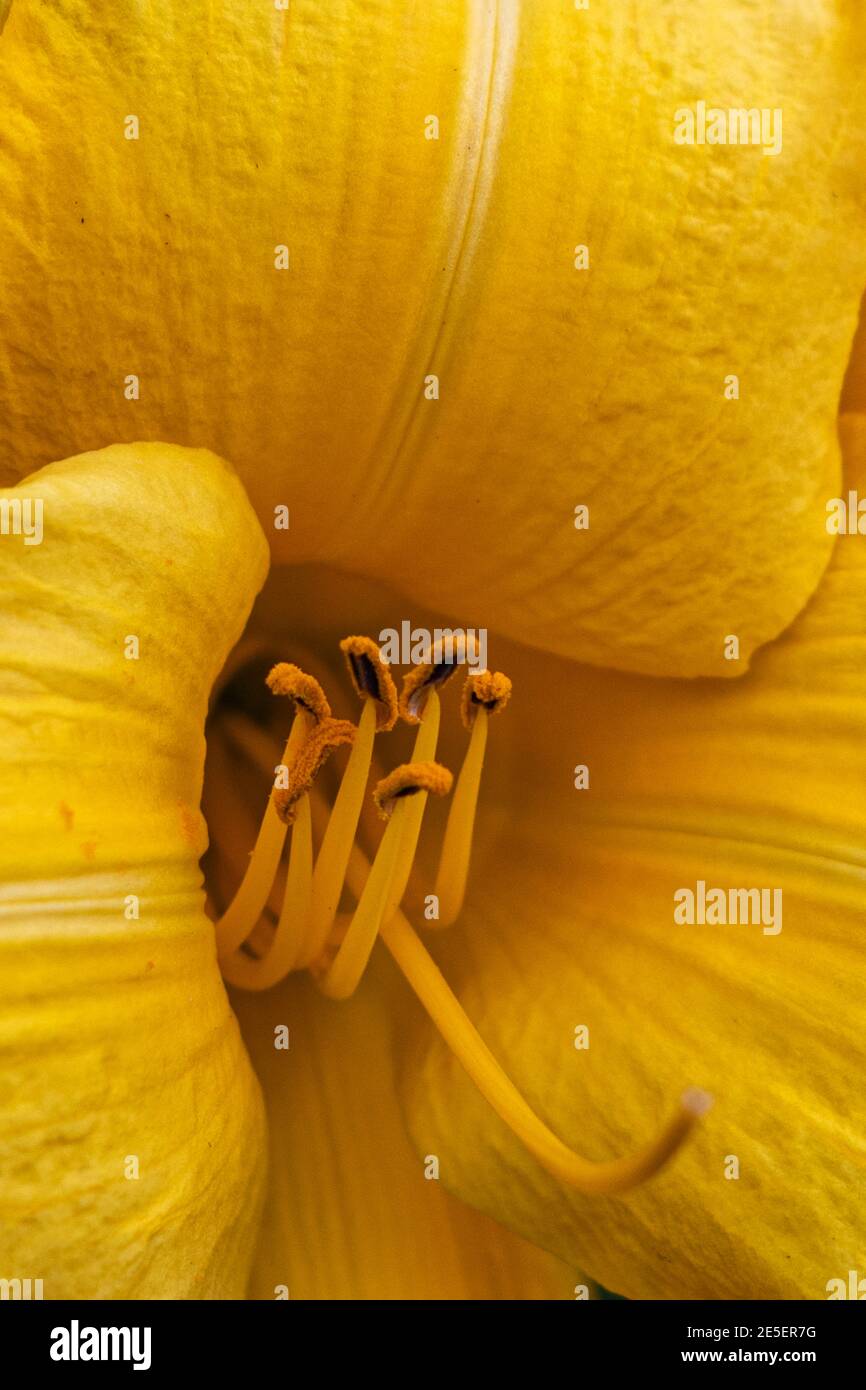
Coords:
pixel 247 973
pixel 423 752
pixel 431 988
pixel 330 871
pixel 343 976
pixel 248 903
pixel 456 848
pixel 231 824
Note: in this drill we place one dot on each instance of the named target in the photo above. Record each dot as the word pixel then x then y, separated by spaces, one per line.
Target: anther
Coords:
pixel 487 690
pixel 408 780
pixel 371 678
pixel 301 770
pixel 286 679
pixel 484 693
pixel 444 658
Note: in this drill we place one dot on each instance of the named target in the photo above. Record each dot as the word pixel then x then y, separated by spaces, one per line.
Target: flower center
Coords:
pixel 285 915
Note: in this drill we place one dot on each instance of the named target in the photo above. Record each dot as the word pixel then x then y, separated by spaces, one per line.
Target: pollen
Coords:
pixel 288 912
pixel 408 780
pixel 488 690
pixel 308 761
pixel 286 679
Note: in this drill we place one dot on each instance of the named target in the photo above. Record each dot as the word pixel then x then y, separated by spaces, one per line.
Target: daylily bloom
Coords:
pixel 442 288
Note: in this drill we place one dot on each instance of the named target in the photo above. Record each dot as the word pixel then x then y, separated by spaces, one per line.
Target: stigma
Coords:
pixel 307 859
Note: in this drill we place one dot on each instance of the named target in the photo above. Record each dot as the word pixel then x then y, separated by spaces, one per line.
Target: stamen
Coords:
pixel 424 752
pixel 302 940
pixel 281 957
pixel 484 694
pixel 230 820
pixel 444 658
pixel 341 978
pixel 302 761
pixel 330 871
pixel 307 762
pixel 298 939
pixel 374 685
pixel 371 678
pixel 246 907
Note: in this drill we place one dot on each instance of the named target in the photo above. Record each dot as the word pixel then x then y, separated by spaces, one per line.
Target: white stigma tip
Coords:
pixel 696 1101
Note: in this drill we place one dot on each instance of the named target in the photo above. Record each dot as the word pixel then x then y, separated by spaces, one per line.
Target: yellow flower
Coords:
pixel 228 227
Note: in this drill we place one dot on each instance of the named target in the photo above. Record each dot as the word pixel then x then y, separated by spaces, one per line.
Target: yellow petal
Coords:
pixel 131 1127
pixel 570 922
pixel 350 1213
pixel 408 257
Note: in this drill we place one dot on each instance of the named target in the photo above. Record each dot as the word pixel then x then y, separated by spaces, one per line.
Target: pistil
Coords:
pixel 442 1005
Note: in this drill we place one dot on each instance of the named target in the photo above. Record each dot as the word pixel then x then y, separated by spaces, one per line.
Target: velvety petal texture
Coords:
pixel 340 245
pixel 131 1126
pixel 570 923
